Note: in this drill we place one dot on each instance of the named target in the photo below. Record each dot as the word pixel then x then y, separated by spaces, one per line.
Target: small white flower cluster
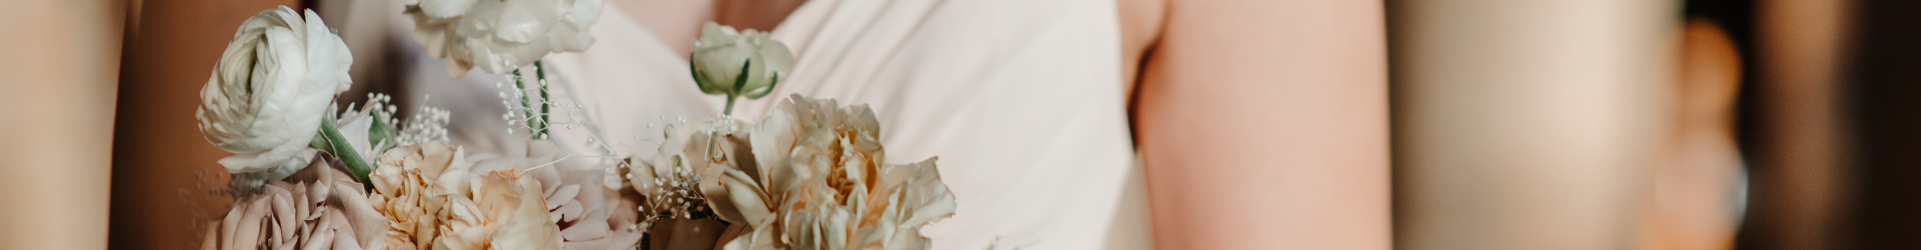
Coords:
pixel 676 195
pixel 382 107
pixel 427 124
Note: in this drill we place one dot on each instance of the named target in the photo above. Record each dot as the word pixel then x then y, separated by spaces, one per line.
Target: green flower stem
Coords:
pixel 540 73
pixel 730 106
pixel 338 147
pixel 537 123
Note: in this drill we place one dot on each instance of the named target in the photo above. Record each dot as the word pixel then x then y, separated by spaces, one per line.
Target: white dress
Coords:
pixel 1021 99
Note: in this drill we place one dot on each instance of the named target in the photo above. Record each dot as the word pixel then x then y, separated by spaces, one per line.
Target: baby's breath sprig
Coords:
pixel 427 124
pixel 674 196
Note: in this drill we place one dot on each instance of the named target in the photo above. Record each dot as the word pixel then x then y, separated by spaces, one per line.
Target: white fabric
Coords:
pixel 1020 99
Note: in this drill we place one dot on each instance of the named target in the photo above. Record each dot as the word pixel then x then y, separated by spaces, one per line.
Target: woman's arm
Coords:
pixel 1263 124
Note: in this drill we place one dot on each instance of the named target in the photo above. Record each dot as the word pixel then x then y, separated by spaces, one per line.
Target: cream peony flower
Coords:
pixel 500 36
pixel 433 202
pixel 735 63
pixel 506 212
pixel 412 186
pixel 809 176
pixel 318 208
pixel 270 90
pixel 591 214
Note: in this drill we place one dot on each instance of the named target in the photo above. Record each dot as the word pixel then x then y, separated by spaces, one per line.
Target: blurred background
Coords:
pixel 1516 124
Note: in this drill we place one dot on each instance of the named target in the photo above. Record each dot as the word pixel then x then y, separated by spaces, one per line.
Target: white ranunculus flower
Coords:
pixel 738 63
pixel 271 89
pixel 501 35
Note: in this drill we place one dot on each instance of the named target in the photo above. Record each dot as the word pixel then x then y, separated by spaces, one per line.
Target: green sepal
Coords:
pixel 740 82
pixel 382 131
pixel 701 81
pixel 320 140
pixel 767 90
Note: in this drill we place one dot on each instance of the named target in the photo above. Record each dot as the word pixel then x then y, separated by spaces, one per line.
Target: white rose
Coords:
pixel 500 36
pixel 318 207
pixel 738 63
pixel 271 89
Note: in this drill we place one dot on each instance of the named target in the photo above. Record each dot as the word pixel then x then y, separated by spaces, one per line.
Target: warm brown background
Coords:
pixel 164 172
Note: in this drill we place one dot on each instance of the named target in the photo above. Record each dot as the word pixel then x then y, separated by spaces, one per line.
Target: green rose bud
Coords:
pixel 737 64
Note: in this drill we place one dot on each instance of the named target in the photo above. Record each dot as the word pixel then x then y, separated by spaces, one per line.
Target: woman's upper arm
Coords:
pixel 1264 124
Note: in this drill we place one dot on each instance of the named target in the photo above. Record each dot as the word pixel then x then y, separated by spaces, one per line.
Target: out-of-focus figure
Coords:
pixel 1699 185
pixel 1528 124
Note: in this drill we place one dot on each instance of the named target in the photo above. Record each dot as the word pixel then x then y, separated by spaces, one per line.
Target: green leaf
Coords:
pixel 341 150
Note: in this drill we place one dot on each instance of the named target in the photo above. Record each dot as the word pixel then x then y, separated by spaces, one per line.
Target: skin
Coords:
pixel 62 59
pixel 1268 136
pixel 680 20
pixel 1263 124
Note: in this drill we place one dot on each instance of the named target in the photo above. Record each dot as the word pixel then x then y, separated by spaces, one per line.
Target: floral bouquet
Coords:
pixel 307 175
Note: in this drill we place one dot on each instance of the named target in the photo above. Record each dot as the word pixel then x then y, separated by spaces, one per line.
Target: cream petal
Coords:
pixel 367 223
pixel 570 37
pixel 585 12
pixel 569 212
pixel 328 240
pixel 283 213
pixel 523 21
pixel 249 233
pixel 230 225
pixel 775 54
pixel 562 195
pixel 586 230
pixel 445 8
pixel 528 227
pixel 327 57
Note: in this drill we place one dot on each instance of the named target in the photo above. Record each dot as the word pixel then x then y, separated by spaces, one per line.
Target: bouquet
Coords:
pixel 307 174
